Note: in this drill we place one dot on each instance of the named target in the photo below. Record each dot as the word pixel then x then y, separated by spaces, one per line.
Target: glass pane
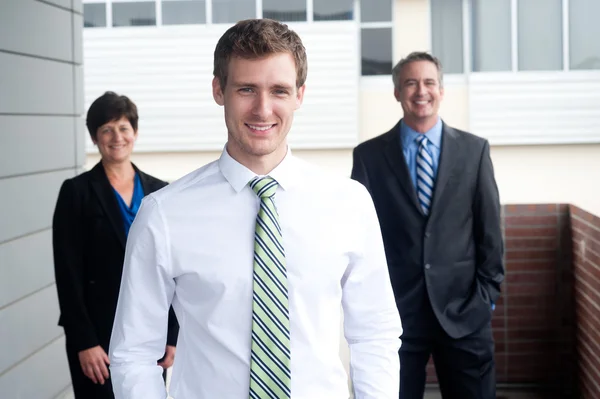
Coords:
pixel 375 10
pixel 285 10
pixel 540 35
pixel 447 34
pixel 376 51
pixel 182 12
pixel 333 10
pixel 232 11
pixel 491 35
pixel 134 14
pixel 584 31
pixel 94 15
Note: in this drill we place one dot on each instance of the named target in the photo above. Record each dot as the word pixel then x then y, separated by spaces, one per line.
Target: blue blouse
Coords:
pixel 128 212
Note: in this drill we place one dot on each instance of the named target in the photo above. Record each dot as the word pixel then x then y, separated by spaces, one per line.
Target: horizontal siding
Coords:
pixel 27 203
pixel 536 108
pixel 167 72
pixel 29 325
pixel 51 23
pixel 43 375
pixel 24 270
pixel 24 144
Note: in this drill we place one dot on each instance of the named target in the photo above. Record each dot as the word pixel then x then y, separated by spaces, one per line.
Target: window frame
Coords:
pixel 377 79
pixel 468 33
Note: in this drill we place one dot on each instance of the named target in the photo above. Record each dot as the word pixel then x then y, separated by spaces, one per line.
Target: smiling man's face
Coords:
pixel 420 93
pixel 260 98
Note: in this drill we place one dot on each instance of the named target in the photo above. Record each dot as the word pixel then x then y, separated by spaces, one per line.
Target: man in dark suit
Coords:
pixel 439 212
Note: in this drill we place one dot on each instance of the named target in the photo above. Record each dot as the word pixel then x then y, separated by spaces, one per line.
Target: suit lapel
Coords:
pixel 107 200
pixel 396 160
pixel 448 157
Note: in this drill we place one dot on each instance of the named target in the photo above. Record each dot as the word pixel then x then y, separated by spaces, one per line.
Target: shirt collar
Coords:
pixel 434 135
pixel 239 176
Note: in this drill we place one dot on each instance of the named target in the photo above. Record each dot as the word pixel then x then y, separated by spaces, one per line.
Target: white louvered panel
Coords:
pixel 167 72
pixel 536 108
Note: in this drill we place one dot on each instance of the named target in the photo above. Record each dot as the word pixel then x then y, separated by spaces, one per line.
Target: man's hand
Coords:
pixel 167 360
pixel 93 363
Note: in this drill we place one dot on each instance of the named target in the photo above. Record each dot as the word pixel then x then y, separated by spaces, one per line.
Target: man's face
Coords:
pixel 420 93
pixel 260 98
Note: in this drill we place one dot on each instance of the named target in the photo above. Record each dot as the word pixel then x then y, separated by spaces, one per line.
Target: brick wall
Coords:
pixel 533 324
pixel 586 264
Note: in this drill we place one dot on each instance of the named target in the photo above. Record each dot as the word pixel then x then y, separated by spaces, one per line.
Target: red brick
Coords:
pixel 542 288
pixel 531 265
pixel 531 232
pixel 530 243
pixel 530 333
pixel 527 254
pixel 536 301
pixel 530 208
pixel 530 278
pixel 537 220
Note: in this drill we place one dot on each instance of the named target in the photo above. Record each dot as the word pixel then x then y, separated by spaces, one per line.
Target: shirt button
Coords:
pixel 427 234
pixel 428 266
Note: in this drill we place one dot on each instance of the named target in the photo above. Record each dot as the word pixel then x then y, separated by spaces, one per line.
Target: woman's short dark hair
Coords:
pixel 110 107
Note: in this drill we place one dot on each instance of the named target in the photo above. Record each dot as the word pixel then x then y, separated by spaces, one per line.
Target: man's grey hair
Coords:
pixel 412 57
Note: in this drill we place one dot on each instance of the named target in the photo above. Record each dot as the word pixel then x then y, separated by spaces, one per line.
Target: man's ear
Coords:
pixel 397 94
pixel 217 91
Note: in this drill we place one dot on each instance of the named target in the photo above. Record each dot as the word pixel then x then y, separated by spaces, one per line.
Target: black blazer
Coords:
pixel 89 250
pixel 454 257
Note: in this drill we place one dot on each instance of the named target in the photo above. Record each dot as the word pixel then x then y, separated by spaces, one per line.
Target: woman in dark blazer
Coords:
pixel 91 221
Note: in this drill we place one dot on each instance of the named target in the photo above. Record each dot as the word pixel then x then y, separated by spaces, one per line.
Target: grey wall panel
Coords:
pixel 27 203
pixel 29 325
pixel 49 34
pixel 30 144
pixel 26 266
pixel 61 3
pixel 79 98
pixel 77 38
pixel 80 137
pixel 33 85
pixel 42 376
pixel 77 6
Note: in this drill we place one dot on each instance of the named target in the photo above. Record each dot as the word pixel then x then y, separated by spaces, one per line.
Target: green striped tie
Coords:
pixel 270 375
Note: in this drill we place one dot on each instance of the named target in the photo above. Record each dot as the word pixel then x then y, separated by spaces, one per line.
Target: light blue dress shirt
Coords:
pixel 410 147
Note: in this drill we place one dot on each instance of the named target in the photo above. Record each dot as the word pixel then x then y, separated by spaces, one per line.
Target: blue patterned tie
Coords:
pixel 425 175
pixel 270 375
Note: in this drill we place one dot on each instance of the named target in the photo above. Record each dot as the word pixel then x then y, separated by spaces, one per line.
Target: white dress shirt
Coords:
pixel 192 245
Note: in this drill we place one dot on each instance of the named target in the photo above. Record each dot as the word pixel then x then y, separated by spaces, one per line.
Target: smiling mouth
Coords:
pixel 260 128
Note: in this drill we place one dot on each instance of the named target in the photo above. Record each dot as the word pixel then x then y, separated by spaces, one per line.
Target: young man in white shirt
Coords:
pixel 257 252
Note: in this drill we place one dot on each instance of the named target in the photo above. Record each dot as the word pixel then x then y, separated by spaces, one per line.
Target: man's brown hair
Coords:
pixel 255 38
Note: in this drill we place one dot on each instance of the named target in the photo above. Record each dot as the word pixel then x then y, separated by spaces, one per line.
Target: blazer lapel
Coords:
pixel 107 199
pixel 448 157
pixel 396 160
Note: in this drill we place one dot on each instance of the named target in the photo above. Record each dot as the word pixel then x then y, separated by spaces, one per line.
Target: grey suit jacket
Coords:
pixel 452 258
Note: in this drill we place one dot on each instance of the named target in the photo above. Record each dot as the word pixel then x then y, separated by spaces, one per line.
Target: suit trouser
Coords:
pixel 465 367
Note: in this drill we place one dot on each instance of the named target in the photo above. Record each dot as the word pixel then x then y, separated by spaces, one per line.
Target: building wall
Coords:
pixel 41 99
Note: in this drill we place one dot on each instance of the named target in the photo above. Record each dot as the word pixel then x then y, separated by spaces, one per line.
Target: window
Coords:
pixel 539 27
pixel 491 35
pixel 232 11
pixel 584 31
pixel 376 37
pixel 376 11
pixel 285 11
pixel 447 34
pixel 182 12
pixel 94 15
pixel 333 10
pixel 141 13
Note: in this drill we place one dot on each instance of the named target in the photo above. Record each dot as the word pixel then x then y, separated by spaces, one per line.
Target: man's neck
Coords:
pixel 261 165
pixel 422 126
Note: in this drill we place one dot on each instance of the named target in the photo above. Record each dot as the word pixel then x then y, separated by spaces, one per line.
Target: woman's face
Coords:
pixel 115 140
